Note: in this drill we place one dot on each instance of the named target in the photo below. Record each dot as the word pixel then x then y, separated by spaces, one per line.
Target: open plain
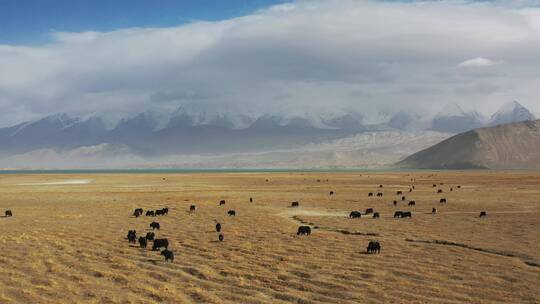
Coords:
pixel 66 241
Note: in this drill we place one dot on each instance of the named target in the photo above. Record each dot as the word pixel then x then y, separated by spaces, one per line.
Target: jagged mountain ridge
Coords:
pixel 191 130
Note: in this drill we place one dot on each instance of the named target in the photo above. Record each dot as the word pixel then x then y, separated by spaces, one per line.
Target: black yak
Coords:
pixel 373 247
pixel 295 204
pixel 304 230
pixel 192 208
pixel 150 236
pixel 222 202
pixel 355 214
pixel 369 210
pixel 231 213
pixel 218 227
pixel 483 214
pixel 154 225
pixel 376 215
pixel 132 236
pixel 442 200
pixel 158 243
pixel 412 203
pixel 398 214
pixel 169 255
pixel 142 242
pixel 8 213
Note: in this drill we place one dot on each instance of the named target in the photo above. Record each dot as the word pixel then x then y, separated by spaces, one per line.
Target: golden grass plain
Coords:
pixel 66 243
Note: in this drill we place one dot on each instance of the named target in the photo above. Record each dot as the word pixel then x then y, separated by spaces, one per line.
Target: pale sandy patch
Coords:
pixel 66 182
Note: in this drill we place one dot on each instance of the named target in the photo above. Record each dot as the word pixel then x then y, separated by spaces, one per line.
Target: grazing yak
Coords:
pixel 376 215
pixel 221 237
pixel 154 225
pixel 434 185
pixel 373 247
pixel 192 208
pixel 355 214
pixel 439 191
pixel 459 187
pixel 483 213
pixel 251 199
pixel 304 230
pixel 370 194
pixel 222 202
pixel 395 203
pixel 434 210
pixel 399 193
pixel 158 243
pixel 410 190
pixel 218 227
pixel 380 186
pixel 379 194
pixel 406 214
pixel 8 213
pixel 158 212
pixel 231 212
pixel 150 236
pixel 169 255
pixel 442 200
pixel 451 189
pixel 412 203
pixel 331 192
pixel 150 213
pixel 398 214
pixel 132 236
pixel 142 242
pixel 369 210
pixel 137 212
pixel 403 198
pixel 295 204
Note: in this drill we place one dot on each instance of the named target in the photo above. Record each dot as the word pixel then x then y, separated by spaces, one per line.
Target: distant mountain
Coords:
pixel 192 129
pixel 511 112
pixel 509 146
pixel 454 119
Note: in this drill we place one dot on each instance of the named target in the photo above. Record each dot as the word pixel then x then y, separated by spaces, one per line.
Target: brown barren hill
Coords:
pixel 508 146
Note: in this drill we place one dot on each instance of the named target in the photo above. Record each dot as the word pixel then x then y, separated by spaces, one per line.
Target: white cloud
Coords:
pixel 287 57
pixel 477 62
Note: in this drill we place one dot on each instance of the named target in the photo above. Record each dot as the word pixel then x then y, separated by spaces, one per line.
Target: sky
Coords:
pixel 124 57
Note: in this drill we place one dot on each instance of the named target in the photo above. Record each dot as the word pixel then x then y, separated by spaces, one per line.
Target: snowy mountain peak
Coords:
pixel 511 112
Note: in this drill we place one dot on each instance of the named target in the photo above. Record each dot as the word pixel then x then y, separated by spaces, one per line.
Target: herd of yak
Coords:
pixel 159 243
pixel 373 246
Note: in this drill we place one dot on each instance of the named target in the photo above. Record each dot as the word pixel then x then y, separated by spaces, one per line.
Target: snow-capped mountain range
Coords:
pixel 191 130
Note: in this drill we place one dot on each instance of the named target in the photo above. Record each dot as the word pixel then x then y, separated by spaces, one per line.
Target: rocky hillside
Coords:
pixel 509 146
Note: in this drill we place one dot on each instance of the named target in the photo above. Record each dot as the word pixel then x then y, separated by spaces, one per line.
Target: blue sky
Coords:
pixel 31 21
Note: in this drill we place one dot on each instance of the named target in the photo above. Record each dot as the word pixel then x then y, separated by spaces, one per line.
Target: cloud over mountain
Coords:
pixel 294 57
